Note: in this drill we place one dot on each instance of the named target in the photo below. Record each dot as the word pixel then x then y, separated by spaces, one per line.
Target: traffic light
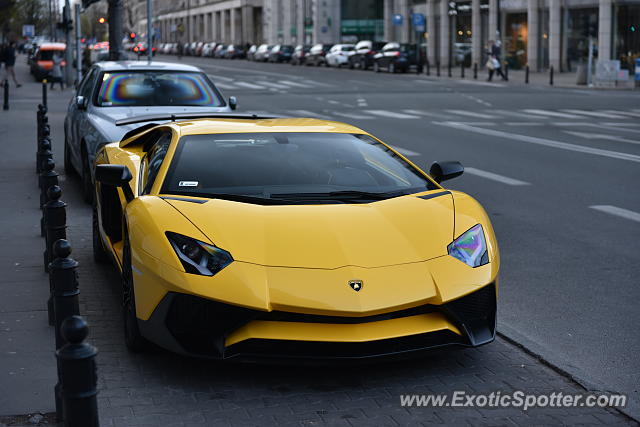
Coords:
pixel 102 20
pixel 132 36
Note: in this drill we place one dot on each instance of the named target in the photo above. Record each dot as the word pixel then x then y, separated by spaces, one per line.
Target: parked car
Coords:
pixel 251 52
pixel 206 49
pixel 219 51
pixel 395 57
pixel 462 53
pixel 41 63
pixel 299 55
pixel 339 55
pixel 111 91
pixel 281 53
pixel 317 53
pixel 234 51
pixel 262 53
pixel 198 49
pixel 362 57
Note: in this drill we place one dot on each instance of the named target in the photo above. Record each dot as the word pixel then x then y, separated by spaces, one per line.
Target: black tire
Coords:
pixel 363 64
pixel 376 67
pixel 134 341
pixel 87 184
pixel 392 68
pixel 100 255
pixel 69 170
pixel 350 64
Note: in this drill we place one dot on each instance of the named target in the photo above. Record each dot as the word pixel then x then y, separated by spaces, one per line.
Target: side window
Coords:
pixel 87 85
pixel 154 160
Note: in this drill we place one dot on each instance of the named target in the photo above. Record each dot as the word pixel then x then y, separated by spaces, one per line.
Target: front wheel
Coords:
pixel 134 341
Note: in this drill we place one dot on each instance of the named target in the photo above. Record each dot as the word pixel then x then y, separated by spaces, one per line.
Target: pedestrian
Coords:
pixel 56 71
pixel 494 64
pixel 9 59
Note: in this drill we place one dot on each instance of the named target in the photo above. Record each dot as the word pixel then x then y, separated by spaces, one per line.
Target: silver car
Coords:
pixel 111 91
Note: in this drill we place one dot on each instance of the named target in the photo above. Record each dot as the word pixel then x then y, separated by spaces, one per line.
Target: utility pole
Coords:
pixel 115 30
pixel 149 30
pixel 51 22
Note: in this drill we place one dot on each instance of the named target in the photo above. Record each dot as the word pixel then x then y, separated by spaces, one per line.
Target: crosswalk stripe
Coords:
pixel 353 116
pixel 471 82
pixel 225 86
pixel 543 141
pixel 552 114
pixel 614 210
pixel 249 85
pixel 392 114
pixel 310 114
pixel 427 114
pixel 594 114
pixel 314 83
pixel 290 83
pixel 515 114
pixel 216 77
pixel 471 114
pixel 625 113
pixel 273 85
pixel 494 176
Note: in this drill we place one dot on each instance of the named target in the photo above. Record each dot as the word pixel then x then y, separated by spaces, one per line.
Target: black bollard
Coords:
pixel 449 70
pixel 506 70
pixel 475 71
pixel 44 93
pixel 462 70
pixel 551 75
pixel 63 286
pixel 526 74
pixel 55 223
pixel 438 68
pixel 5 105
pixel 77 375
pixel 44 153
pixel 428 68
pixel 48 178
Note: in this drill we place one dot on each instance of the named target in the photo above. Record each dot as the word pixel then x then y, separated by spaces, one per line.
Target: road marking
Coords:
pixel 225 86
pixel 471 114
pixel 392 114
pixel 314 83
pixel 249 85
pixel 626 113
pixel 553 114
pixel 614 210
pixel 525 124
pixel 353 116
pixel 494 176
pixel 272 85
pixel 290 83
pixel 588 135
pixel 404 151
pixel 362 102
pixel 594 113
pixel 471 82
pixel 225 79
pixel 607 125
pixel 334 102
pixel 310 114
pixel 515 114
pixel 427 114
pixel 543 141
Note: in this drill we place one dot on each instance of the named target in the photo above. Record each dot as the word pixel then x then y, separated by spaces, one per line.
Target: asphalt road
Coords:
pixel 557 170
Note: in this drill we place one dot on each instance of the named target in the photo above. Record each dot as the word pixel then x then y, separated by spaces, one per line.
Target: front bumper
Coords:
pixel 200 327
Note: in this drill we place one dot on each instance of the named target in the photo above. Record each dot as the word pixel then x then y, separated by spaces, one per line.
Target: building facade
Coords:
pixel 538 33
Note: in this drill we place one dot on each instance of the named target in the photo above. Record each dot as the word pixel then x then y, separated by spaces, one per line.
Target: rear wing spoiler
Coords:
pixel 189 116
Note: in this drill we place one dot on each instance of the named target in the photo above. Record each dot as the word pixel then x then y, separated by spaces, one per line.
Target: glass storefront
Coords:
pixel 580 25
pixel 362 20
pixel 515 40
pixel 626 43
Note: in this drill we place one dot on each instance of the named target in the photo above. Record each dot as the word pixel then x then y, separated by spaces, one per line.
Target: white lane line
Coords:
pixel 514 114
pixel 310 114
pixel 428 114
pixel 614 210
pixel 273 85
pixel 392 114
pixel 405 152
pixel 594 114
pixel 290 83
pixel 494 176
pixel 471 82
pixel 625 113
pixel 353 116
pixel 471 114
pixel 589 135
pixel 543 141
pixel 314 83
pixel 524 124
pixel 217 77
pixel 332 101
pixel 607 125
pixel 225 86
pixel 553 114
pixel 249 85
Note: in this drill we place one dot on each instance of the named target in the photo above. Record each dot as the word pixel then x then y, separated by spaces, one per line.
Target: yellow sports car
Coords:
pixel 240 237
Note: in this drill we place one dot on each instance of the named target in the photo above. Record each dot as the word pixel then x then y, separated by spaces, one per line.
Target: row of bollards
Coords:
pixel 427 70
pixel 75 392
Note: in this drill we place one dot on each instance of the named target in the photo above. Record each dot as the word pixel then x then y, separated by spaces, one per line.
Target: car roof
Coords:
pixel 213 125
pixel 144 65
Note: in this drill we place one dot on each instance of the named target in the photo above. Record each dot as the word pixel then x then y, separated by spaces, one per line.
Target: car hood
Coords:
pixel 104 119
pixel 395 231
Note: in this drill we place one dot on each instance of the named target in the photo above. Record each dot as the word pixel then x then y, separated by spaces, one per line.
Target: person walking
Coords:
pixel 56 71
pixel 494 64
pixel 9 60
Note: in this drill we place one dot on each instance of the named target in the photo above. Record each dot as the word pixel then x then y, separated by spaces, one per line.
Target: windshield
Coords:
pixel 156 88
pixel 313 167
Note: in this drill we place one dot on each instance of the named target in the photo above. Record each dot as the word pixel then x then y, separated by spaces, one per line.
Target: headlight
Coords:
pixel 470 248
pixel 198 257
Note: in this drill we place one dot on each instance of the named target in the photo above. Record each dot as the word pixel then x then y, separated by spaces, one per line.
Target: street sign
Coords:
pixel 396 19
pixel 28 31
pixel 419 22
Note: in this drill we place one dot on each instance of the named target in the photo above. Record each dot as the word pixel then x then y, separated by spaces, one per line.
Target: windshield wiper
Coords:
pixel 351 195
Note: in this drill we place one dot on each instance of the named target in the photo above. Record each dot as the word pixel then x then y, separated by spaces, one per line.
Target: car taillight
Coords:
pixel 398 54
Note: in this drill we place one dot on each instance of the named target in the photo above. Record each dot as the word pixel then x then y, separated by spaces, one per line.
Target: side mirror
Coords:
pixel 116 175
pixel 233 102
pixel 442 171
pixel 81 102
